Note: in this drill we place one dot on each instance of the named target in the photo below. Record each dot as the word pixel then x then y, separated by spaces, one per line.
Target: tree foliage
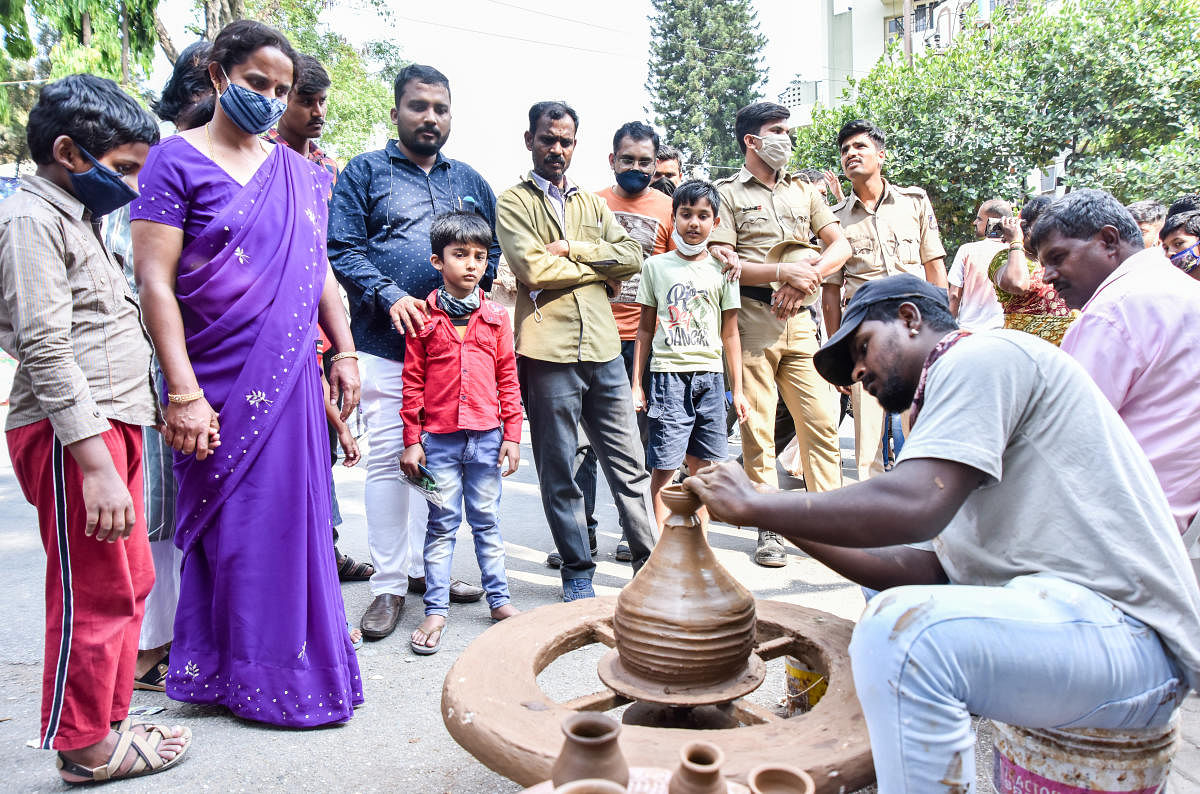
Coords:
pixel 1109 84
pixel 16 100
pixel 84 35
pixel 360 95
pixel 705 63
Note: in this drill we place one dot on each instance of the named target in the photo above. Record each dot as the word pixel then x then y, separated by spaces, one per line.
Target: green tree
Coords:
pixel 17 98
pixel 360 93
pixel 705 63
pixel 112 38
pixel 1109 84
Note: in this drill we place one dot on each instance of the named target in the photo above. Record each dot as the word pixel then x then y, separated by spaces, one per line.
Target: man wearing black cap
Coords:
pixel 1057 593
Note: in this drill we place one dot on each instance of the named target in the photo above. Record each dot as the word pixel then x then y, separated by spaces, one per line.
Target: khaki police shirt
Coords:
pixel 898 236
pixel 755 217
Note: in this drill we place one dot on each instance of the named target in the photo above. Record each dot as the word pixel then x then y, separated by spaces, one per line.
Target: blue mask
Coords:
pixel 1188 259
pixel 249 110
pixel 633 181
pixel 100 188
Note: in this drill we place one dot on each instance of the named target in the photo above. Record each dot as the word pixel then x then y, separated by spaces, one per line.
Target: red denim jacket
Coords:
pixel 454 383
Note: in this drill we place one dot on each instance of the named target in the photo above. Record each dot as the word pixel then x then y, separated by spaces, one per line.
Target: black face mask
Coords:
pixel 100 188
pixel 633 181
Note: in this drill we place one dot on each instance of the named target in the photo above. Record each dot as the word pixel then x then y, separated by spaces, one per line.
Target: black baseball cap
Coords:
pixel 834 360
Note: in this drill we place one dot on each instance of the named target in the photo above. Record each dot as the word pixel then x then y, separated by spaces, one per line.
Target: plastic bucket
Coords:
pixel 1082 761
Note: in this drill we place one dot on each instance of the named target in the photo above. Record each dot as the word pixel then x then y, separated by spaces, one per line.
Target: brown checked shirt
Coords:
pixel 898 236
pixel 68 318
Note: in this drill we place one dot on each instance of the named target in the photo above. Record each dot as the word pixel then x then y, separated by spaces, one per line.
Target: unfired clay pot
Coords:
pixel 590 750
pixel 780 779
pixel 591 786
pixel 684 621
pixel 699 770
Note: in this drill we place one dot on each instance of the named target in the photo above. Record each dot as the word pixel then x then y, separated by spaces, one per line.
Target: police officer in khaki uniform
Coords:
pixel 763 205
pixel 891 230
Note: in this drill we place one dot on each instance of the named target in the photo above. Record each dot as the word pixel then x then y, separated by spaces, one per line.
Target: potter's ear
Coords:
pixel 216 76
pixel 67 154
pixel 910 315
pixel 394 116
pixel 716 220
pixel 529 140
pixel 1110 237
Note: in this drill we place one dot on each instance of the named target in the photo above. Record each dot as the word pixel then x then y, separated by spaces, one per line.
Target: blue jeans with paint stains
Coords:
pixel 466 465
pixel 1039 652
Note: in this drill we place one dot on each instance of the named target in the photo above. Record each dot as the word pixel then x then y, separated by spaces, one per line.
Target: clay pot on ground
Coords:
pixel 699 770
pixel 684 621
pixel 780 779
pixel 590 750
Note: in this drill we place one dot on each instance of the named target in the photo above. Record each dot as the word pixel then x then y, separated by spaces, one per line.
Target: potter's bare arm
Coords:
pixel 909 504
pixel 879 569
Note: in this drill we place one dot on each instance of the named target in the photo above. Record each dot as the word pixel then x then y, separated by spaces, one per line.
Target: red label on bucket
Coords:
pixel 1008 778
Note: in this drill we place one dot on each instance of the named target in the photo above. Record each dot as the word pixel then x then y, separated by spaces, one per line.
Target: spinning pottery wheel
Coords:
pixel 689 643
pixel 493 706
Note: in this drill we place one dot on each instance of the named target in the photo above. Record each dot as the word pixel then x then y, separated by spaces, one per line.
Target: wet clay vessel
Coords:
pixel 590 750
pixel 699 770
pixel 684 626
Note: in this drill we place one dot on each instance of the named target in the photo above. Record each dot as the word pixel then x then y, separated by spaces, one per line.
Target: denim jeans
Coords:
pixel 466 465
pixel 559 398
pixel 1039 652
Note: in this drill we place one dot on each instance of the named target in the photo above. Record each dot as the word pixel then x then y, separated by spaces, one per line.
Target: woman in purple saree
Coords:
pixel 229 240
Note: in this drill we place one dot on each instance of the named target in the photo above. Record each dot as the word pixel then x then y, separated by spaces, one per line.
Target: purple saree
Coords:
pixel 261 626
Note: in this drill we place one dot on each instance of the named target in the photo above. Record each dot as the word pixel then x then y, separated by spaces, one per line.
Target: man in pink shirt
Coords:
pixel 1138 335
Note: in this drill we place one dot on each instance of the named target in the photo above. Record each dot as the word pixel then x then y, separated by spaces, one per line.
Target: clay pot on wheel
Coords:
pixel 590 750
pixel 780 779
pixel 684 621
pixel 699 770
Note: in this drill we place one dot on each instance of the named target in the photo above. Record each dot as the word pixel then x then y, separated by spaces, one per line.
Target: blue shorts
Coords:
pixel 686 413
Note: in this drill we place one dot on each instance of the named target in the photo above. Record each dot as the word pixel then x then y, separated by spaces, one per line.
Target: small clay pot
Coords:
pixel 591 786
pixel 684 621
pixel 780 779
pixel 590 750
pixel 699 770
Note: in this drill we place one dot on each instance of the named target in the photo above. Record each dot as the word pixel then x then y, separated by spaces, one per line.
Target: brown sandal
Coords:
pixel 154 679
pixel 146 762
pixel 350 570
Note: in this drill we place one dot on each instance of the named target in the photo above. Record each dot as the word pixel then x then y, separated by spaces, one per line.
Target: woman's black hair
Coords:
pixel 188 88
pixel 93 111
pixel 241 38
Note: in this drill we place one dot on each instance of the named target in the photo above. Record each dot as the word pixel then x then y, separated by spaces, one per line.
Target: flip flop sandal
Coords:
pixel 147 761
pixel 154 679
pixel 350 570
pixel 429 650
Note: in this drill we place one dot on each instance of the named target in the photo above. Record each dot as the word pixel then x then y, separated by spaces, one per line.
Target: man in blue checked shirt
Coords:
pixel 379 219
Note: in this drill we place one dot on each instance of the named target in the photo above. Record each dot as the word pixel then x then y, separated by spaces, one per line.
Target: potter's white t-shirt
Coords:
pixel 979 308
pixel 1069 492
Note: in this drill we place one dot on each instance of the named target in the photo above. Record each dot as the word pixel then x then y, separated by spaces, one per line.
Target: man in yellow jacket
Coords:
pixel 567 250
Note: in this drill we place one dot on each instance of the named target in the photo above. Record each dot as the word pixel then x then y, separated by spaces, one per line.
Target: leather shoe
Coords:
pixel 460 591
pixel 770 552
pixel 381 617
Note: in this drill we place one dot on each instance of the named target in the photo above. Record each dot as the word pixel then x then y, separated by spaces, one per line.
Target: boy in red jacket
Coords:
pixel 462 417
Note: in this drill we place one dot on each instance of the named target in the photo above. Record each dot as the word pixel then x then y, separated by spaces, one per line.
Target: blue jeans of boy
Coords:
pixel 466 467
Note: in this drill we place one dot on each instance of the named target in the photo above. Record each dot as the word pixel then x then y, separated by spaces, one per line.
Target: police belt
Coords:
pixel 760 294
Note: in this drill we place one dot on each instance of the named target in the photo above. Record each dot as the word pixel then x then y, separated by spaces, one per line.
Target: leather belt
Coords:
pixel 761 294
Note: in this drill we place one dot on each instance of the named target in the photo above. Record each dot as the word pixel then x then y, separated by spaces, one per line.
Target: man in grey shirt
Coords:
pixel 1049 532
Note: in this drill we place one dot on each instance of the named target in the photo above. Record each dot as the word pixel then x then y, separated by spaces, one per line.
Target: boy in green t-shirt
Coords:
pixel 695 309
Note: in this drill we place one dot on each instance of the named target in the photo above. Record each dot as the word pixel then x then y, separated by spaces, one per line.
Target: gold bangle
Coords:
pixel 1016 246
pixel 187 397
pixel 339 356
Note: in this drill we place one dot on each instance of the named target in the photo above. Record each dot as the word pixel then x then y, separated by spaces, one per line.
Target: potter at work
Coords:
pixel 1056 593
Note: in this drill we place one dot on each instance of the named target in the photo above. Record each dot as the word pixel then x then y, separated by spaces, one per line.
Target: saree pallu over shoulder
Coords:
pixel 248 289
